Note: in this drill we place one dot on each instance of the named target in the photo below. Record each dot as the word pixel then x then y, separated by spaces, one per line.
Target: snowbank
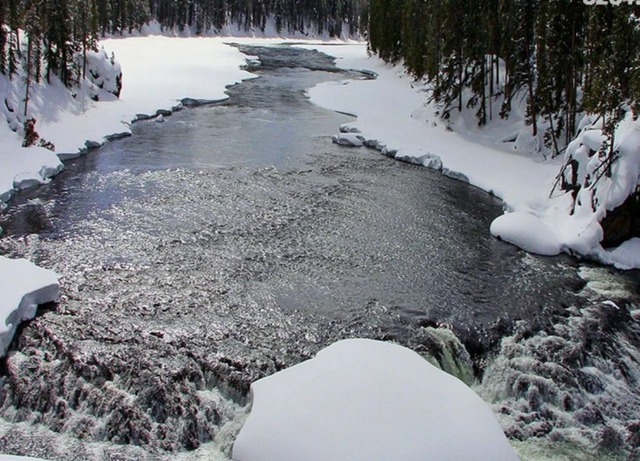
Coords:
pixel 526 231
pixel 23 168
pixel 158 72
pixel 393 115
pixel 392 109
pixel 368 400
pixel 24 286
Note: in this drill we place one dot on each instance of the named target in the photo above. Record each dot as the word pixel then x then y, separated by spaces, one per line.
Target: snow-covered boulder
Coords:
pixel 419 157
pixel 527 232
pixel 348 128
pixel 23 168
pixel 104 71
pixel 23 286
pixel 626 256
pixel 371 401
pixel 349 139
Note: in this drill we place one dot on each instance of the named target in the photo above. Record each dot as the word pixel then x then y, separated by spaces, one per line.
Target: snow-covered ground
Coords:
pixel 393 111
pixel 157 73
pixel 23 286
pixel 368 400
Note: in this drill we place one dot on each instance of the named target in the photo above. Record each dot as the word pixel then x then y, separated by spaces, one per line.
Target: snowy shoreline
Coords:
pixel 393 116
pixel 197 69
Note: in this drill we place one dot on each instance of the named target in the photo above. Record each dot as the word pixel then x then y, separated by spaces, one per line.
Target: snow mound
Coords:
pixel 419 157
pixel 349 139
pixel 23 168
pixel 625 257
pixel 23 286
pixel 527 232
pixel 104 72
pixel 349 128
pixel 368 400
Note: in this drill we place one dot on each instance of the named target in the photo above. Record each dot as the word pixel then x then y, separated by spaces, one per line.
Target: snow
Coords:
pixel 24 286
pixel 368 400
pixel 625 256
pixel 526 231
pixel 348 139
pixel 157 73
pixel 394 111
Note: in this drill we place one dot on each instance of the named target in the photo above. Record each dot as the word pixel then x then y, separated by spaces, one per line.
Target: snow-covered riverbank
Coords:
pixel 394 110
pixel 158 73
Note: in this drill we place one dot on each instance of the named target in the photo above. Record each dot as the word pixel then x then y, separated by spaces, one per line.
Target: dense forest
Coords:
pixel 562 58
pixel 56 32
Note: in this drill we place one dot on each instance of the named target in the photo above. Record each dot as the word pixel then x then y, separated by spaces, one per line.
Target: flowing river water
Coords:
pixel 235 240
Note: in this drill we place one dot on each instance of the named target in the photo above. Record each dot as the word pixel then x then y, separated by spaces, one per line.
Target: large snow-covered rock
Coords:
pixel 23 286
pixel 348 139
pixel 527 232
pixel 104 71
pixel 368 400
pixel 23 168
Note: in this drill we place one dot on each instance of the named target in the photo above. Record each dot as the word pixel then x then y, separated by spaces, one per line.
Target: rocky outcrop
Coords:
pixel 622 223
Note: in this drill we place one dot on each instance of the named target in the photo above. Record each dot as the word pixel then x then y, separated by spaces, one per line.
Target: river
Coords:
pixel 234 240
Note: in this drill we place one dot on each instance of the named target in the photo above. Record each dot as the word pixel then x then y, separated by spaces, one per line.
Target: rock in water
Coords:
pixel 368 400
pixel 349 140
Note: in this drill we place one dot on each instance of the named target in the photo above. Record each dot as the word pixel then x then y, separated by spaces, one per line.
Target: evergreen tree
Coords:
pixel 3 37
pixel 14 24
pixel 452 79
pixel 33 24
pixel 517 50
pixel 385 28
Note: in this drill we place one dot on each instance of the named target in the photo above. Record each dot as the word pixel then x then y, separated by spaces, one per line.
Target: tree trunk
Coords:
pixel 29 73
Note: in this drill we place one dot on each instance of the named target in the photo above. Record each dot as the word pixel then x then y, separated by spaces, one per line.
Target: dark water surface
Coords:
pixel 235 240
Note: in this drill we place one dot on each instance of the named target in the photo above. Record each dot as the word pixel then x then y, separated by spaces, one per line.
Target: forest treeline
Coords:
pixel 561 57
pixel 42 38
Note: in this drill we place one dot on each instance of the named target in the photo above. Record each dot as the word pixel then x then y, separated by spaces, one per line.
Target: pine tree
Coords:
pixel 414 36
pixel 452 82
pixel 33 24
pixel 385 28
pixel 517 49
pixel 3 37
pixel 15 23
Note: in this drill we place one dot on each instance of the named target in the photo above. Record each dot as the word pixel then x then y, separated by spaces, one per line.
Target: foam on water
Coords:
pixel 571 391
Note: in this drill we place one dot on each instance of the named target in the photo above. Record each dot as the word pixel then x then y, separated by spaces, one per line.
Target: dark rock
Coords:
pixel 622 223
